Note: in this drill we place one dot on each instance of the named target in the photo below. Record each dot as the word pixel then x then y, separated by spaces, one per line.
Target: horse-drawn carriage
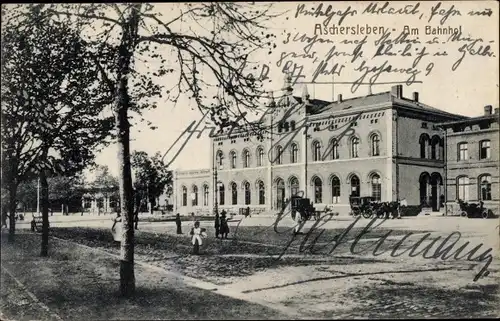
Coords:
pixel 474 210
pixel 368 207
pixel 302 206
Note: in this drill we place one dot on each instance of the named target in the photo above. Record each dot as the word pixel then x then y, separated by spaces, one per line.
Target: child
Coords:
pixel 197 233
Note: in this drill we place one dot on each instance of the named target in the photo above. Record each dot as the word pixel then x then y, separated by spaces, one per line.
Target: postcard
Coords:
pixel 250 160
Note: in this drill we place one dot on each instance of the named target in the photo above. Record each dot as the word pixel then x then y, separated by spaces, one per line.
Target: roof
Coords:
pixel 471 120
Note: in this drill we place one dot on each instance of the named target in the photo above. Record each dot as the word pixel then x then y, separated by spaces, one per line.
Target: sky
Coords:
pixel 464 91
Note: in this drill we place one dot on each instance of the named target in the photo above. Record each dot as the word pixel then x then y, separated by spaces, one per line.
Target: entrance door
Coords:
pixel 434 197
pixel 280 194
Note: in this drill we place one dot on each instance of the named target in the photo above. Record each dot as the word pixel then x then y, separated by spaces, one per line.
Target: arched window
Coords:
pixel 234 194
pixel 424 140
pixel 184 196
pixel 375 148
pixel 247 193
pixel 279 155
pixel 260 156
pixel 463 188
pixel 316 151
pixel 355 190
pixel 233 159
pixel 318 190
pixel 294 153
pixel 262 193
pixel 246 158
pixel 484 149
pixel 376 187
pixel 195 195
pixel 294 186
pixel 485 187
pixel 220 158
pixel 354 147
pixel 462 151
pixel 335 189
pixel 205 195
pixel 222 195
pixel 435 147
pixel 292 125
pixel 335 149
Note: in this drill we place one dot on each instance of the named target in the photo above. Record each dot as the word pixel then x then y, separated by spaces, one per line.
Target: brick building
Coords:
pixel 383 145
pixel 472 171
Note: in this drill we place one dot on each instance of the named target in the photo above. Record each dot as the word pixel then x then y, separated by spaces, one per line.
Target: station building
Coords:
pixel 383 145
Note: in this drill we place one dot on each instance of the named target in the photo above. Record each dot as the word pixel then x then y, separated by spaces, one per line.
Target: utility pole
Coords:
pixel 38 197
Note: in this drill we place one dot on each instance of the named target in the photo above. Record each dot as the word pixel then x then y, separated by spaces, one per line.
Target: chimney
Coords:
pixel 397 91
pixel 339 98
pixel 487 110
pixel 496 110
pixel 415 96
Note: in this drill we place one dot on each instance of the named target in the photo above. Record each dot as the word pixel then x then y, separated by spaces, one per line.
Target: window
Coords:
pixel 316 151
pixel 234 194
pixel 233 159
pixel 184 196
pixel 247 193
pixel 355 190
pixel 246 158
pixel 462 151
pixel 375 145
pixel 294 153
pixel 335 189
pixel 376 187
pixel 279 155
pixel 318 190
pixel 435 147
pixel 294 186
pixel 335 149
pixel 354 147
pixel 484 149
pixel 222 195
pixel 485 187
pixel 292 124
pixel 205 195
pixel 262 193
pixel 220 158
pixel 424 140
pixel 195 195
pixel 463 188
pixel 260 156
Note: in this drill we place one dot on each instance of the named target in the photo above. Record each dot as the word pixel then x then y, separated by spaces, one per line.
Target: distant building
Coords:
pixel 472 154
pixel 394 150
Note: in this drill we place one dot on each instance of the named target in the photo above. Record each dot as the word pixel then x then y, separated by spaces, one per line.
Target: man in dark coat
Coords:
pixel 217 224
pixel 224 227
pixel 178 223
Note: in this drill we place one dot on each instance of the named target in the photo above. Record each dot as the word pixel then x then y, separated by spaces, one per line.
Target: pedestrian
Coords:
pixel 178 223
pixel 116 229
pixel 298 223
pixel 224 227
pixel 217 225
pixel 197 233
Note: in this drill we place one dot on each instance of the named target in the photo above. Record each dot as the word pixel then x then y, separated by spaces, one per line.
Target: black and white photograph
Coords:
pixel 250 160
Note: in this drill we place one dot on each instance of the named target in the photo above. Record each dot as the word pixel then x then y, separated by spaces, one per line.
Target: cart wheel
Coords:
pixel 485 214
pixel 367 214
pixel 463 214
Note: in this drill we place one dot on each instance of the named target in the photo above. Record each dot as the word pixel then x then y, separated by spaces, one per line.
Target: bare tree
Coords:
pixel 202 49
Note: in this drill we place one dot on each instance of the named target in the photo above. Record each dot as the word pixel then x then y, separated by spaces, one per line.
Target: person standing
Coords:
pixel 197 233
pixel 224 227
pixel 178 223
pixel 116 229
pixel 217 225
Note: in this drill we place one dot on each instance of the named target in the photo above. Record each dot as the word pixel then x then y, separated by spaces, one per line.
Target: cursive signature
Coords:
pixel 446 248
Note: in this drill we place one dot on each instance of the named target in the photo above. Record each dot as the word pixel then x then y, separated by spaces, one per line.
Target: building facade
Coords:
pixel 382 145
pixel 472 156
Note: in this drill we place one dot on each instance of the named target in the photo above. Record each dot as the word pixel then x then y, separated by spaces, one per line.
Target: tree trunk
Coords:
pixel 126 49
pixel 44 189
pixel 12 211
